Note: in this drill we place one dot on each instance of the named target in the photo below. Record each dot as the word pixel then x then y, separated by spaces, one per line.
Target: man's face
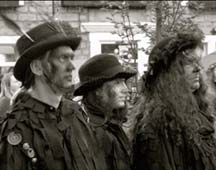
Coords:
pixel 115 93
pixel 59 66
pixel 192 68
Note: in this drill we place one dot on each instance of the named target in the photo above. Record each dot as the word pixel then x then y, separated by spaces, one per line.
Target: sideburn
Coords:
pixel 48 66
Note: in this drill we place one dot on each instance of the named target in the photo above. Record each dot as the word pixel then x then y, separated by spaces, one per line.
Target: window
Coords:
pixel 7 56
pixel 109 48
pixel 209 44
pixel 108 42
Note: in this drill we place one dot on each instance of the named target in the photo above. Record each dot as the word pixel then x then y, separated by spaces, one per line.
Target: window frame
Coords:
pixel 100 33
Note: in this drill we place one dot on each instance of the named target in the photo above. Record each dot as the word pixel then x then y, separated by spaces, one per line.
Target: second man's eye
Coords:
pixel 65 58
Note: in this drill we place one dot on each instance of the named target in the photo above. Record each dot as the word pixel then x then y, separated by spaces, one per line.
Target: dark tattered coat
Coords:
pixel 51 139
pixel 162 143
pixel 112 140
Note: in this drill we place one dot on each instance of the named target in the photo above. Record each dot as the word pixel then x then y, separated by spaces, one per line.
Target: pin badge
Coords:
pixel 34 160
pixel 31 153
pixel 26 146
pixel 14 138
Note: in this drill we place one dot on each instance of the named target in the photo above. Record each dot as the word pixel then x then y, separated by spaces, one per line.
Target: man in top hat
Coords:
pixel 44 131
pixel 104 91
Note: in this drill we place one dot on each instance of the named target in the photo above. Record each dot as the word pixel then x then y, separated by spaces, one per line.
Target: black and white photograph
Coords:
pixel 107 85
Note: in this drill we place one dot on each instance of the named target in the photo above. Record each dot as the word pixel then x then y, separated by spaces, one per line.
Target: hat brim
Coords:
pixel 38 49
pixel 83 88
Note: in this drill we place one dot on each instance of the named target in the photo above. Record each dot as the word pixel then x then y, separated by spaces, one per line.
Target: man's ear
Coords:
pixel 36 67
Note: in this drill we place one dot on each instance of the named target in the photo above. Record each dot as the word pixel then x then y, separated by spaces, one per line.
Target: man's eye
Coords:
pixel 63 58
pixel 66 58
pixel 119 81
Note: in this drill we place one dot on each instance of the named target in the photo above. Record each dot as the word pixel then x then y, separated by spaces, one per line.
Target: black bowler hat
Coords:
pixel 40 39
pixel 98 70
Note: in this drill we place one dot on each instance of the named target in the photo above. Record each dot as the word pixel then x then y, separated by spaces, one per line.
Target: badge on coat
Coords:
pixel 14 138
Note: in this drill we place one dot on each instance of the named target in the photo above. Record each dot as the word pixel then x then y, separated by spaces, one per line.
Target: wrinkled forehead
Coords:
pixel 58 51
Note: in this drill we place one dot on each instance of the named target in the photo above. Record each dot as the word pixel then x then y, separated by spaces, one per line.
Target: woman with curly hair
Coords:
pixel 175 130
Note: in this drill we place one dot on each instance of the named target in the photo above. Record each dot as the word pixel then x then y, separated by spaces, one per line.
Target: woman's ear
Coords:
pixel 36 67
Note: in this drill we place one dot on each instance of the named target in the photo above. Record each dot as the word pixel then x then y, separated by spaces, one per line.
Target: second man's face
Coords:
pixel 115 93
pixel 61 66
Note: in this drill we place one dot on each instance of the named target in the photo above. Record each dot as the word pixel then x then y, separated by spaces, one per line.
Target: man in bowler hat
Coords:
pixel 44 131
pixel 104 91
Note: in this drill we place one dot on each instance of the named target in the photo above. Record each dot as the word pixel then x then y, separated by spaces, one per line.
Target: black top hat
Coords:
pixel 99 69
pixel 41 38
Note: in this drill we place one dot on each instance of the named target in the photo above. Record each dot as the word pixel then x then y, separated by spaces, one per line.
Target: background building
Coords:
pixel 90 17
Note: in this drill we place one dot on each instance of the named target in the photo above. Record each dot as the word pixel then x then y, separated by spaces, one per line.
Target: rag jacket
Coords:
pixel 111 138
pixel 36 136
pixel 163 143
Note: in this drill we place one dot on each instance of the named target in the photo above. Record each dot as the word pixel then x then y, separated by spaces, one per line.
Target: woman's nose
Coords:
pixel 197 67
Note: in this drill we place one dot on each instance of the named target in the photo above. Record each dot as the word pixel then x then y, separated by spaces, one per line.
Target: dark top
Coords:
pixel 112 140
pixel 161 143
pixel 51 139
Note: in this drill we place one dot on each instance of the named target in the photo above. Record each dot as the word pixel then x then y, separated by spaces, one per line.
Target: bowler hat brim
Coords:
pixel 38 49
pixel 83 88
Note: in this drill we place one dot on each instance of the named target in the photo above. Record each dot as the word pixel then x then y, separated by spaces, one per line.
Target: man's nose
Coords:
pixel 71 65
pixel 125 88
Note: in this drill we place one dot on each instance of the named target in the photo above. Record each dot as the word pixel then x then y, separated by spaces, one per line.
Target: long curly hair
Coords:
pixel 165 86
pixel 165 78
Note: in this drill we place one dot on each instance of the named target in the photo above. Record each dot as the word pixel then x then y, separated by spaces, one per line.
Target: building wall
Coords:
pixel 206 21
pixel 34 12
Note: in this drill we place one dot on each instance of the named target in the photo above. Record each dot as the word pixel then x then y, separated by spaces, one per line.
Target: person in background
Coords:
pixel 175 126
pixel 9 86
pixel 45 131
pixel 104 96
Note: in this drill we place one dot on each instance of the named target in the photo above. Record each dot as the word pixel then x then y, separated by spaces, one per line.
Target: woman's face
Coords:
pixel 114 93
pixel 192 67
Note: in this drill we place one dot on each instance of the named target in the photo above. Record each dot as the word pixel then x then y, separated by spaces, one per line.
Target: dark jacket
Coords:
pixel 162 143
pixel 60 138
pixel 112 140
